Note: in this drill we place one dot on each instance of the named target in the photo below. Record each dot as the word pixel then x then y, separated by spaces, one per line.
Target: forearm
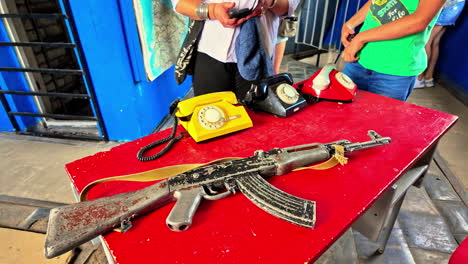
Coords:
pixel 280 8
pixel 360 16
pixel 393 30
pixel 188 7
pixel 405 26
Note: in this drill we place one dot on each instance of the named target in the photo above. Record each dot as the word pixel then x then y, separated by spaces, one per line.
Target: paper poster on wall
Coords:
pixel 161 32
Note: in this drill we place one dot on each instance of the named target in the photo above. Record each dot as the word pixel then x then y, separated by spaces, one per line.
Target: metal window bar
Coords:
pixel 43 70
pixel 334 20
pixel 70 25
pixel 322 30
pixel 84 65
pixel 7 108
pixel 309 29
pixel 36 30
pixel 56 116
pixel 37 44
pixel 345 13
pixel 52 16
pixel 67 95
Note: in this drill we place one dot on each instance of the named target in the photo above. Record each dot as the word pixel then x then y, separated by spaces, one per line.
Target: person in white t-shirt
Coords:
pixel 215 67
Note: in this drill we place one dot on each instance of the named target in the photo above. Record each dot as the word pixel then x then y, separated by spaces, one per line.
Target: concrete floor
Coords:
pixel 453 146
pixel 34 167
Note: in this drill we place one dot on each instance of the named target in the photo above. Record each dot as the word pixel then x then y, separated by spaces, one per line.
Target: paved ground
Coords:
pixel 433 219
pixel 33 167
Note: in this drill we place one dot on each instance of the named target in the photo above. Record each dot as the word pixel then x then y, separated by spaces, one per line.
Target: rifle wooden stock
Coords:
pixel 72 225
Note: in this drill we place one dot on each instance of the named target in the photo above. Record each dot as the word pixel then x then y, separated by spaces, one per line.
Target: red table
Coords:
pixel 233 230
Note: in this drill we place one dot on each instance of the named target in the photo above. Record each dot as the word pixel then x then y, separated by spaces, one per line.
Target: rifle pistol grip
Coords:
pixel 180 218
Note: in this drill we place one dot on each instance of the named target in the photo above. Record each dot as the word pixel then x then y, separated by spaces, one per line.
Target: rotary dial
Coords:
pixel 287 93
pixel 211 117
pixel 344 80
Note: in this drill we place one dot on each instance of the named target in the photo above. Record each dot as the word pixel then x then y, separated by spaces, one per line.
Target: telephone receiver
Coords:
pixel 275 95
pixel 212 115
pixel 239 13
pixel 328 84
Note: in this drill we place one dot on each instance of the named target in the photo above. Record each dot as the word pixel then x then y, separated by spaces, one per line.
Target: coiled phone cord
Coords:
pixel 172 139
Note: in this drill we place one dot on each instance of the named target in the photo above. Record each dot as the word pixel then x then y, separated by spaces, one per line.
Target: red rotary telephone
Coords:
pixel 328 84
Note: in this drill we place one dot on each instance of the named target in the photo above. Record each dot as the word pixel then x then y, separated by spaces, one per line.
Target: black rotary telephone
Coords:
pixel 275 95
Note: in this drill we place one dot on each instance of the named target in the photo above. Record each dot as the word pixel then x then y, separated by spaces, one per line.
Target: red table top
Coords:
pixel 233 230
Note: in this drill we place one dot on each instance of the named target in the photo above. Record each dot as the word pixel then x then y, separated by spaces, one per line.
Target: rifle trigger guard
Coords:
pixel 230 185
pixel 213 197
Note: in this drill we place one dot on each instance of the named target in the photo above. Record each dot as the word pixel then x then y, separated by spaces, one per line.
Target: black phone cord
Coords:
pixel 150 146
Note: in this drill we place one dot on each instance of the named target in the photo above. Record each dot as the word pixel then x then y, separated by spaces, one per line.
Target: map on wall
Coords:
pixel 161 32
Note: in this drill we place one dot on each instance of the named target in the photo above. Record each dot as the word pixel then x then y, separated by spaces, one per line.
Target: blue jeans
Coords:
pixel 396 87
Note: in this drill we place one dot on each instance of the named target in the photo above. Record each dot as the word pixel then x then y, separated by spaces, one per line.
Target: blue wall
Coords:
pixel 131 106
pixel 453 57
pixel 14 81
pixel 5 124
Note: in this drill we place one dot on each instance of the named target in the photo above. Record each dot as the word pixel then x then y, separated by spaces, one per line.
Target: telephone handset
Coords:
pixel 211 115
pixel 275 95
pixel 328 84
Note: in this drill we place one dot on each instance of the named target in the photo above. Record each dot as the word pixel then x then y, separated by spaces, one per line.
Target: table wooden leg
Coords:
pixel 388 226
pixel 377 223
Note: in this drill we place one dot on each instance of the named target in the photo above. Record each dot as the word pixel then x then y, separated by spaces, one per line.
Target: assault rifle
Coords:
pixel 71 225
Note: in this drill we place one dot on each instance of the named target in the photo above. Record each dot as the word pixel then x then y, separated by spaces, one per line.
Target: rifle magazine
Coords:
pixel 276 202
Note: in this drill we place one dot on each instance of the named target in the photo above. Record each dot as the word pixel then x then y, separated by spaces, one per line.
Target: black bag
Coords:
pixel 185 62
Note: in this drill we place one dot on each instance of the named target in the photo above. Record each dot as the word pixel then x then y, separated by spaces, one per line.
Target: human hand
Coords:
pixel 347 33
pixel 349 53
pixel 219 11
pixel 257 11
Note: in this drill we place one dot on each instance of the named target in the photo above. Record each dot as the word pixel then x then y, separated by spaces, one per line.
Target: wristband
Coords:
pixel 202 11
pixel 273 5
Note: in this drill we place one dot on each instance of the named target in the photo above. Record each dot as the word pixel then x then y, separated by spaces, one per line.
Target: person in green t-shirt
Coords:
pixel 388 53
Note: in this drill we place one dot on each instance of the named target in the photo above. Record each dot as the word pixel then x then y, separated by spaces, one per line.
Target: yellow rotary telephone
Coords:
pixel 212 115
